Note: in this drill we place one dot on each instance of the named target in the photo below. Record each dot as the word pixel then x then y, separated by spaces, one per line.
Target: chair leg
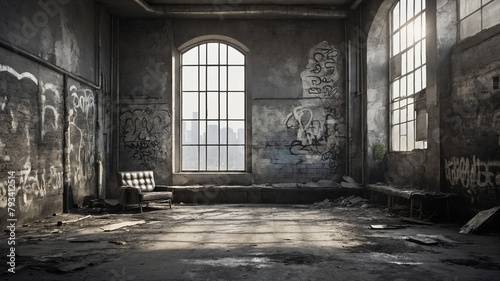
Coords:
pixel 140 206
pixel 170 203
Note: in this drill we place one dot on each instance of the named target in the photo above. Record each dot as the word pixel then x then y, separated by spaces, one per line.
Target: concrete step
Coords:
pixel 259 194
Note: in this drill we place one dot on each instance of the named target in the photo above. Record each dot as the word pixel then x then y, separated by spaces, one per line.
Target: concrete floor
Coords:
pixel 249 242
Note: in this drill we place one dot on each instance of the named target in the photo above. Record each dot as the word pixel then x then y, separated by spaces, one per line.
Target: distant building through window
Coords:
pixel 213 108
pixel 407 73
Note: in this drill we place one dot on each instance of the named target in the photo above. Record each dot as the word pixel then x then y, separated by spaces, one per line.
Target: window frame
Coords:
pixel 246 143
pixel 482 5
pixel 400 103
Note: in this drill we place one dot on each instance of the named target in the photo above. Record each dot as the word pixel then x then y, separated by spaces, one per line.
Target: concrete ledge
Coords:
pixel 259 194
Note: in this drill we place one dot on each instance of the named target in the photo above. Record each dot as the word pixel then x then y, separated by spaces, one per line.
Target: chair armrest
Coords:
pixel 160 187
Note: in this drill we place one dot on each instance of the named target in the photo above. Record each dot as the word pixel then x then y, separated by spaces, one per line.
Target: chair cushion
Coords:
pixel 160 195
pixel 143 180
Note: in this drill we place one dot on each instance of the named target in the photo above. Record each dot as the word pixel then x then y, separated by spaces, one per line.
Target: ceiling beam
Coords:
pixel 242 11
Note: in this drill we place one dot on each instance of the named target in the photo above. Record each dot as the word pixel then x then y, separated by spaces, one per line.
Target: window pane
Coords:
pixel 424 51
pixel 190 78
pixel 212 158
pixel 236 155
pixel 418 54
pixel 418 28
pixel 203 132
pixel 203 158
pixel 424 77
pixel 189 105
pixel 223 105
pixel 190 57
pixel 236 78
pixel 223 53
pixel 395 90
pixel 203 54
pixel 418 6
pixel 395 117
pixel 236 105
pixel 409 82
pixel 236 132
pixel 189 132
pixel 410 34
pixel 203 105
pixel 213 78
pixel 395 44
pixel 410 59
pixel 491 14
pixel 402 16
pixel 403 115
pixel 223 158
pixel 424 32
pixel 223 132
pixel 203 78
pixel 395 18
pixel 235 57
pixel 402 143
pixel 410 6
pixel 395 138
pixel 470 25
pixel 418 80
pixel 223 78
pixel 213 132
pixel 189 158
pixel 403 38
pixel 402 87
pixel 404 61
pixel 213 105
pixel 213 53
pixel 468 6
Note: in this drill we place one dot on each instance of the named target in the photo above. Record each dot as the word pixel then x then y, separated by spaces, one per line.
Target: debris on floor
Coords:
pixel 414 221
pixel 387 226
pixel 422 240
pixel 59 223
pixel 121 224
pixel 352 201
pixel 349 182
pixel 323 204
pixel 481 221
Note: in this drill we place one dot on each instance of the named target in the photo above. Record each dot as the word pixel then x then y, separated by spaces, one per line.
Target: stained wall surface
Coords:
pixel 49 120
pixel 295 88
pixel 471 146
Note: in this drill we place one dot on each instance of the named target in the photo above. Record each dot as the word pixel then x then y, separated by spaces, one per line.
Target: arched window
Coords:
pixel 213 105
pixel 407 75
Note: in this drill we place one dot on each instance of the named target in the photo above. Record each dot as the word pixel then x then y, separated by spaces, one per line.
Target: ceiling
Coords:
pixel 230 9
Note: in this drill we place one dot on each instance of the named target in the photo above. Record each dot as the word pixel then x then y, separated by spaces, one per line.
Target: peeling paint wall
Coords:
pixel 470 140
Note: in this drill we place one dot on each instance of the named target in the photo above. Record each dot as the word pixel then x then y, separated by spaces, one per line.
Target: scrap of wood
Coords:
pixel 116 226
pixel 480 221
pixel 422 240
pixel 414 221
pixel 387 226
pixel 76 220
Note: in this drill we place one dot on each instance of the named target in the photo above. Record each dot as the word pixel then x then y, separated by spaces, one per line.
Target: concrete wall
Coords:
pixel 471 146
pixel 49 120
pixel 297 122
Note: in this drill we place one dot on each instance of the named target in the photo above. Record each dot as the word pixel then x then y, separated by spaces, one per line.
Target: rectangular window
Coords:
pixel 408 72
pixel 477 15
pixel 213 108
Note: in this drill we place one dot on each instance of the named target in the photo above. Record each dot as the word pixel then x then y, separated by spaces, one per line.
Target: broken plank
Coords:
pixel 422 240
pixel 76 220
pixel 480 221
pixel 387 226
pixel 414 221
pixel 116 226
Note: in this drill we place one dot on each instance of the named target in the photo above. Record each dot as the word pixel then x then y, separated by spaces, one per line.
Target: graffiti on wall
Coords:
pixel 321 74
pixel 51 102
pixel 81 135
pixel 16 139
pixel 143 132
pixel 472 173
pixel 319 134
